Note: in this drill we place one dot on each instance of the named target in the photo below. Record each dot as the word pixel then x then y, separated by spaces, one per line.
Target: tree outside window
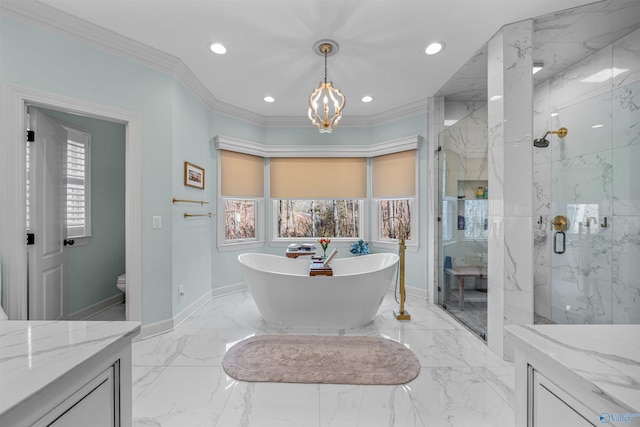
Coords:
pixel 318 218
pixel 239 219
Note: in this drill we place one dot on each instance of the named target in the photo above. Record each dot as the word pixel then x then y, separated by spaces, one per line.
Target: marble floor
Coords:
pixel 179 381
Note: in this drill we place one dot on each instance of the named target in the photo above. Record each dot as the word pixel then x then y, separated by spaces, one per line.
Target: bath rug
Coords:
pixel 314 359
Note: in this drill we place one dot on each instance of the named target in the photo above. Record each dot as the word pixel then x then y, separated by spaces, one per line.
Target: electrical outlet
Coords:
pixel 181 290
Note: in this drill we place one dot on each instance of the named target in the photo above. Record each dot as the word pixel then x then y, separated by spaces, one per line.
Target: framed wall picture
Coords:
pixel 193 175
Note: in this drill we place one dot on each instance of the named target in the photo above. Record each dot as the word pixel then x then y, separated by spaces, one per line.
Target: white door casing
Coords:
pixel 14 246
pixel 46 255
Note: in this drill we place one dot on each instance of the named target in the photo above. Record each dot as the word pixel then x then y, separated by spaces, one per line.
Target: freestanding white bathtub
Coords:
pixel 288 297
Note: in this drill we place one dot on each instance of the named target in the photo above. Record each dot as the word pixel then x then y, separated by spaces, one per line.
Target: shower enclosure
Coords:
pixel 463 194
pixel 591 273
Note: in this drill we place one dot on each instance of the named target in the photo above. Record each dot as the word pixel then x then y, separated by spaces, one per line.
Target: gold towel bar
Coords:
pixel 186 215
pixel 202 202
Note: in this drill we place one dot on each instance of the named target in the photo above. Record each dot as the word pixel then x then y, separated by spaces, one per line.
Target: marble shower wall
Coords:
pixel 590 175
pixel 510 92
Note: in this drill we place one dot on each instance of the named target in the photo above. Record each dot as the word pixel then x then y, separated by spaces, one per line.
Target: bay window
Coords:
pixel 318 196
pixel 242 194
pixel 394 194
pixel 367 192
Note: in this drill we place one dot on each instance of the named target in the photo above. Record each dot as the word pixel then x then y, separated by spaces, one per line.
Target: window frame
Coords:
pixel 87 236
pixel 369 217
pixel 283 241
pixel 234 244
pixel 376 215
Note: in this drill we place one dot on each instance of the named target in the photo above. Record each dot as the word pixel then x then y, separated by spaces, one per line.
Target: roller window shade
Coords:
pixel 241 175
pixel 394 175
pixel 318 178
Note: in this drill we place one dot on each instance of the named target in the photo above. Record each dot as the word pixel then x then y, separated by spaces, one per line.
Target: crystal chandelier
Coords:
pixel 326 102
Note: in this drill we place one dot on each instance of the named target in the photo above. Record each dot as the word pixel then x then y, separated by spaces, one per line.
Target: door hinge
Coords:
pixel 31 239
pixel 439 149
pixel 439 289
pixel 31 136
pixel 439 219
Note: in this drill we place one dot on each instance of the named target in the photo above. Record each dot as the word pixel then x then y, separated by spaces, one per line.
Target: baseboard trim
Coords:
pixel 153 329
pixel 230 289
pixel 417 292
pixel 96 308
pixel 179 318
pixel 168 325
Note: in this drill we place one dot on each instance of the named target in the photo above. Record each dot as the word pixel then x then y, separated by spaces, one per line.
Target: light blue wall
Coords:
pixel 176 127
pixel 237 128
pixel 44 61
pixel 193 238
pixel 309 135
pixel 91 270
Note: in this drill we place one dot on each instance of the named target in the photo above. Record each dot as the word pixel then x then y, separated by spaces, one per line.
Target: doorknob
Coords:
pixel 69 242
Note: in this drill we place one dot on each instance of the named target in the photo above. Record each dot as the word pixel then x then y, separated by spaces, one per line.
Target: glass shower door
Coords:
pixel 463 208
pixel 593 182
pixel 582 171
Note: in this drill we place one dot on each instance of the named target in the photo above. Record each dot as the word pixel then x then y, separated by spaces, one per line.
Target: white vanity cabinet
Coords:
pixel 551 406
pixel 96 401
pixel 576 375
pixel 66 374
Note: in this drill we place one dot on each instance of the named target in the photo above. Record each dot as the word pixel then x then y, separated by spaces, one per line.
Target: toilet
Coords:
pixel 121 283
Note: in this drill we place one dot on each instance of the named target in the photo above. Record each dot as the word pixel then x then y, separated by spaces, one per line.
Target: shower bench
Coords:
pixel 459 274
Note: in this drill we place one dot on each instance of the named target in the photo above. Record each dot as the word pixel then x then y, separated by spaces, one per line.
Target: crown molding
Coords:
pixel 412 142
pixel 412 109
pixel 64 24
pixel 79 30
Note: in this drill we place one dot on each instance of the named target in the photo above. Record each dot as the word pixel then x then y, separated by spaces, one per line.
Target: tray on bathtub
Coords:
pixel 296 253
pixel 317 268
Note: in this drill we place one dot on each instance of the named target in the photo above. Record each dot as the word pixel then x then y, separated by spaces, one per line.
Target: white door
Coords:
pixel 46 214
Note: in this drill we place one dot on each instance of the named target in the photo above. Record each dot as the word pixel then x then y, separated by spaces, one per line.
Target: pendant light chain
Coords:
pixel 325 67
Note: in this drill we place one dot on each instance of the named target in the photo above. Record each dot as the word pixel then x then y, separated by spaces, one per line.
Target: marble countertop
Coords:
pixel 35 353
pixel 607 356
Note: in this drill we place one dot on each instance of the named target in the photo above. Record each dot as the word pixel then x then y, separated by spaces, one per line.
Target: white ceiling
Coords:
pixel 270 43
pixel 560 40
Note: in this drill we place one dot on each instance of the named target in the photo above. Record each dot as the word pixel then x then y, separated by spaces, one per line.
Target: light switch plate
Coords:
pixel 157 222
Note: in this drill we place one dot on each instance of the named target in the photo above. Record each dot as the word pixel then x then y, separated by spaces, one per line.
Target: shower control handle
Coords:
pixel 559 236
pixel 560 223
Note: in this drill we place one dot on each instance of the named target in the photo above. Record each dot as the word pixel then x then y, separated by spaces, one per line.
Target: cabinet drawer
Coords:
pixel 94 404
pixel 552 407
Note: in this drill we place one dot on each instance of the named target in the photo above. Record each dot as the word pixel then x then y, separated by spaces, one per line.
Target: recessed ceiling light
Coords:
pixel 596 126
pixel 555 114
pixel 434 48
pixel 269 99
pixel 367 98
pixel 218 48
